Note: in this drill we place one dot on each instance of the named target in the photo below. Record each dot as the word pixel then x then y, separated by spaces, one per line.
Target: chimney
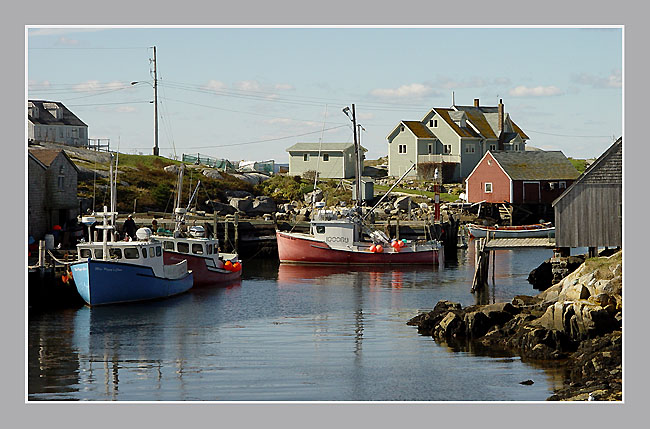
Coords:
pixel 476 102
pixel 500 116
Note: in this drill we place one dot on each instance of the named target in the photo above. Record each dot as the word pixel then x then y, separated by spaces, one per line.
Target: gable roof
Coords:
pixel 329 147
pixel 485 119
pixel 36 160
pixel 608 168
pixel 420 130
pixel 46 118
pixel 47 156
pixel 461 131
pixel 536 165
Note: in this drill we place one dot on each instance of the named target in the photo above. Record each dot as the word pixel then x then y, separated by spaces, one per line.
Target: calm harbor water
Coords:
pixel 287 333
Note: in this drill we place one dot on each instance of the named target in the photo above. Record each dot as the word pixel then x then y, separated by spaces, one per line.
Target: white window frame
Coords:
pixel 470 148
pixel 485 187
pixel 493 146
pixel 402 148
pixel 430 148
pixel 561 185
pixel 305 157
pixel 447 149
pixel 326 157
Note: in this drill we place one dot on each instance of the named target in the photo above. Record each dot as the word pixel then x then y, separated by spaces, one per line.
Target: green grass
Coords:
pixel 579 164
pixel 444 197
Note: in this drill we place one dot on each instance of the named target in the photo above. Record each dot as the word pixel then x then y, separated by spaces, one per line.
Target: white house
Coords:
pixel 454 139
pixel 331 160
pixel 51 121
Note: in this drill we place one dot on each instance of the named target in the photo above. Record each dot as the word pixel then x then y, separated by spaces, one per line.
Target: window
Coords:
pixel 84 253
pixel 433 123
pixel 169 245
pixel 131 253
pixel 447 148
pixel 197 248
pixel 430 148
pixel 326 157
pixel 469 148
pixel 562 185
pixel 60 133
pixel 320 229
pixel 61 179
pixel 493 147
pixel 488 187
pixel 115 253
pixel 158 251
pixel 516 147
pixel 402 148
pixel 305 157
pixel 99 253
pixel 183 247
pixel 401 128
pixel 74 133
pixel 144 252
pixel 152 252
pixel 209 249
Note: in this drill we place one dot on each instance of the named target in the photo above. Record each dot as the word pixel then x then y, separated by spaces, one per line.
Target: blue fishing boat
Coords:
pixel 111 271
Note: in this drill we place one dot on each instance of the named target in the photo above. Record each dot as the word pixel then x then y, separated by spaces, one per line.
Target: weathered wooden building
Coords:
pixel 52 190
pixel 590 212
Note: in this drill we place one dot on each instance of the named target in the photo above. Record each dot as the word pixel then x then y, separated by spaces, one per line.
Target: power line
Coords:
pixel 565 135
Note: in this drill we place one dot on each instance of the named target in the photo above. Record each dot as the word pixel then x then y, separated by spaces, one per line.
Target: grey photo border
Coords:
pixel 335 12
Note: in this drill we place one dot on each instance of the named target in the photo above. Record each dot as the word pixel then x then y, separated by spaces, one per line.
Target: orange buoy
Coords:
pixel 373 248
pixel 236 266
pixel 379 248
pixel 228 265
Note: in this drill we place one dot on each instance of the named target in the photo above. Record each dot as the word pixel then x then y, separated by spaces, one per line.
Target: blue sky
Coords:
pixel 249 93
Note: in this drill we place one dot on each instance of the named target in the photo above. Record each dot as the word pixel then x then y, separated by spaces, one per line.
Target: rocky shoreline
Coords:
pixel 575 324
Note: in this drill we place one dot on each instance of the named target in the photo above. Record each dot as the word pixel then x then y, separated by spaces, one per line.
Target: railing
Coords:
pixel 103 145
pixel 438 158
pixel 207 160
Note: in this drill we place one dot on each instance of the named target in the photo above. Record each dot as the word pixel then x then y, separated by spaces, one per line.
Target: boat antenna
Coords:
pixel 357 167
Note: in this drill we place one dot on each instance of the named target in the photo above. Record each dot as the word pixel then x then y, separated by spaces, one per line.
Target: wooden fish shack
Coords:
pixel 590 212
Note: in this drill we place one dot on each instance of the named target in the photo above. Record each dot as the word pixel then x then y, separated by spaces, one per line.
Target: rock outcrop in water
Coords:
pixel 575 323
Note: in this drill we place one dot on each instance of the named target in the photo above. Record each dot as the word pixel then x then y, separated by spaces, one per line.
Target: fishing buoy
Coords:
pixel 373 248
pixel 379 248
pixel 236 266
pixel 396 247
pixel 228 265
pixel 401 244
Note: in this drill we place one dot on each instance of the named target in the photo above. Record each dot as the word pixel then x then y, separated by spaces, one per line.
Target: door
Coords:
pixel 532 193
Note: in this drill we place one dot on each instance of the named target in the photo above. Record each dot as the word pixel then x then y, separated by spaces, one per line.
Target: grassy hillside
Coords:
pixel 579 164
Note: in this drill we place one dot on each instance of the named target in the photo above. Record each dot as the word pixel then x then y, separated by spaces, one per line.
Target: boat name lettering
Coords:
pixel 337 239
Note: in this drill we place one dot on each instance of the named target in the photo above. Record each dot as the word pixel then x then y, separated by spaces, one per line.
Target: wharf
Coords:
pixel 518 243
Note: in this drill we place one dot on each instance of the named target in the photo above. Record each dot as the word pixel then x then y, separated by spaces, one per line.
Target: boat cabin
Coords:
pixel 336 233
pixel 138 253
pixel 202 247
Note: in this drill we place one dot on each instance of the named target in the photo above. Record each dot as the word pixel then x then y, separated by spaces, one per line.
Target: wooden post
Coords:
pixel 397 228
pixel 236 232
pixel 216 223
pixel 226 242
pixel 41 253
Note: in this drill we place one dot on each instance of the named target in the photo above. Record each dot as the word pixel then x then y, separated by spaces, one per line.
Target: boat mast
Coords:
pixel 357 168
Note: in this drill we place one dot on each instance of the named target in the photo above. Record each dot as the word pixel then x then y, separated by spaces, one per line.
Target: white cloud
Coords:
pixel 283 86
pixel 96 86
pixel 414 90
pixel 473 82
pixel 282 121
pixel 215 85
pixel 65 41
pixel 125 109
pixel 247 85
pixel 538 91
pixel 614 80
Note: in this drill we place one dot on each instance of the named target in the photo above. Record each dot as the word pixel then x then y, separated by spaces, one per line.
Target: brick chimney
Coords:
pixel 500 116
pixel 476 102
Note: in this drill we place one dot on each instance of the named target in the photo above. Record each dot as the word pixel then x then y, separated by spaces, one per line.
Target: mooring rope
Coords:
pixel 58 261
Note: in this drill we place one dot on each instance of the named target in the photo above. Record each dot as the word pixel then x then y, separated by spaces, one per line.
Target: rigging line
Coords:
pixel 99 93
pixel 565 135
pixel 241 111
pixel 329 100
pixel 108 104
pixel 320 146
pixel 266 140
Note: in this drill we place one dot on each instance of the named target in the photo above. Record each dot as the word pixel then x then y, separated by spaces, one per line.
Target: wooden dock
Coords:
pixel 518 243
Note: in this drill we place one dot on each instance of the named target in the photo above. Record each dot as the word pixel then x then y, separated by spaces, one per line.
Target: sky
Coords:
pixel 248 93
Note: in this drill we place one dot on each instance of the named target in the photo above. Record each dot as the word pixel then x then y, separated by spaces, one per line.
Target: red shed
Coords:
pixel 529 177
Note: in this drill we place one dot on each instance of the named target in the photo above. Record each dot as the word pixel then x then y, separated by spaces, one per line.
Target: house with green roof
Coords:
pixel 330 160
pixel 453 140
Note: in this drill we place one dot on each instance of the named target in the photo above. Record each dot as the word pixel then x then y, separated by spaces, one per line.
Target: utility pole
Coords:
pixel 155 105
